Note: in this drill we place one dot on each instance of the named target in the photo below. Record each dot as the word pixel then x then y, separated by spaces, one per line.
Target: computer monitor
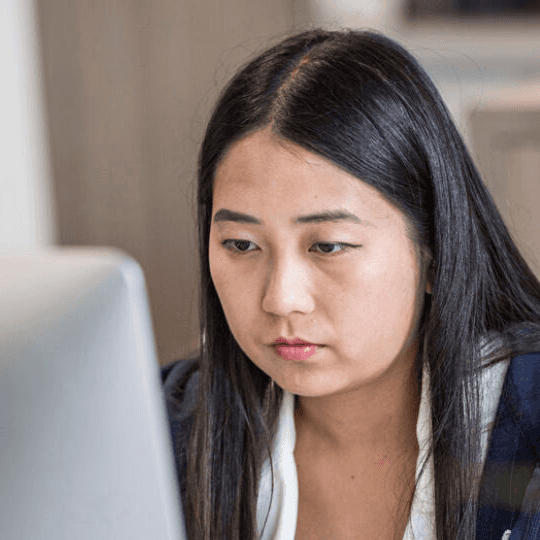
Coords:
pixel 85 446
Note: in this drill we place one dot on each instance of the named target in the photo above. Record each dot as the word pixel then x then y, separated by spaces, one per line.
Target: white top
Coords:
pixel 281 522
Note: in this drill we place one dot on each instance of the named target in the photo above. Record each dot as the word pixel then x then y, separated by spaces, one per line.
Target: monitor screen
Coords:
pixel 85 446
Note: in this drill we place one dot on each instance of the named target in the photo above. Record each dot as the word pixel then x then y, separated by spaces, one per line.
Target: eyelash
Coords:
pixel 346 247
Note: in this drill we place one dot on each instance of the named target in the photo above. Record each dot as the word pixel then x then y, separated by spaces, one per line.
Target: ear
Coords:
pixel 429 270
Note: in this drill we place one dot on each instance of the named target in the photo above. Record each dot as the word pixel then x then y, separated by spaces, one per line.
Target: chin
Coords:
pixel 311 388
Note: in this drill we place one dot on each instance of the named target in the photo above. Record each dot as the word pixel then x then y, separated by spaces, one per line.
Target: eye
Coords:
pixel 327 247
pixel 237 246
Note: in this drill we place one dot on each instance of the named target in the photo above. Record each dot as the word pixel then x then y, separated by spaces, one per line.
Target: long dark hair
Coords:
pixel 361 101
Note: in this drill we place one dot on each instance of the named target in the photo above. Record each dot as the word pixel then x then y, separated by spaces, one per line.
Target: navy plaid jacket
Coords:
pixel 509 504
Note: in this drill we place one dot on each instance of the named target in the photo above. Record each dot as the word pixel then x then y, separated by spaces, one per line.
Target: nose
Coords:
pixel 287 288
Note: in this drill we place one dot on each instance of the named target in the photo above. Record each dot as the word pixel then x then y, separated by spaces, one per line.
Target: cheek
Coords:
pixel 400 300
pixel 393 272
pixel 220 277
pixel 215 274
pixel 382 293
pixel 231 288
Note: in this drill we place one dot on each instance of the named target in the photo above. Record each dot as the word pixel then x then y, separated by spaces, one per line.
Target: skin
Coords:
pixel 358 392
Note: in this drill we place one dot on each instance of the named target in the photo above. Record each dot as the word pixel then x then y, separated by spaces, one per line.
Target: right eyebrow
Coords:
pixel 224 215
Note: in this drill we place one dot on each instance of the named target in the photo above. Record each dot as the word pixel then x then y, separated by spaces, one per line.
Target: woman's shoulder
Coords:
pixel 180 380
pixel 180 370
pixel 523 380
pixel 509 497
pixel 521 394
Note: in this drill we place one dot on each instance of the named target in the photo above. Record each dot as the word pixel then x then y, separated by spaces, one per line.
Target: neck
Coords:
pixel 377 421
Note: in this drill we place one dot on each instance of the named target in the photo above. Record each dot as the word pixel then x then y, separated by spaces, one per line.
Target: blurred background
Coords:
pixel 103 104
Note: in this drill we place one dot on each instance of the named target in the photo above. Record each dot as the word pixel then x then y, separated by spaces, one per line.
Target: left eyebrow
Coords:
pixel 324 216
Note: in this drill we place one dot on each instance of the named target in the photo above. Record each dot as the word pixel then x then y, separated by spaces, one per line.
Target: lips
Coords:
pixel 294 341
pixel 296 352
pixel 295 349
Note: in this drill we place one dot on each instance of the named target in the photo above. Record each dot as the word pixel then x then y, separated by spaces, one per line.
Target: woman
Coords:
pixel 364 312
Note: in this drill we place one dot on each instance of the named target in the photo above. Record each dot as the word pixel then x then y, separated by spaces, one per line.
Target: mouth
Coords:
pixel 296 352
pixel 293 342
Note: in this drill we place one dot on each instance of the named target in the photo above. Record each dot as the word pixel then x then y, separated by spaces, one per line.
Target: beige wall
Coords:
pixel 488 72
pixel 506 140
pixel 129 86
pixel 27 213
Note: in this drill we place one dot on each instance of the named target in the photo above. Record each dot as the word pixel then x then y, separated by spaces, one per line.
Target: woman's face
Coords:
pixel 352 286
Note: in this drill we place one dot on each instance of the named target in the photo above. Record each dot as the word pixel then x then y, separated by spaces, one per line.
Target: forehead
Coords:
pixel 262 171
